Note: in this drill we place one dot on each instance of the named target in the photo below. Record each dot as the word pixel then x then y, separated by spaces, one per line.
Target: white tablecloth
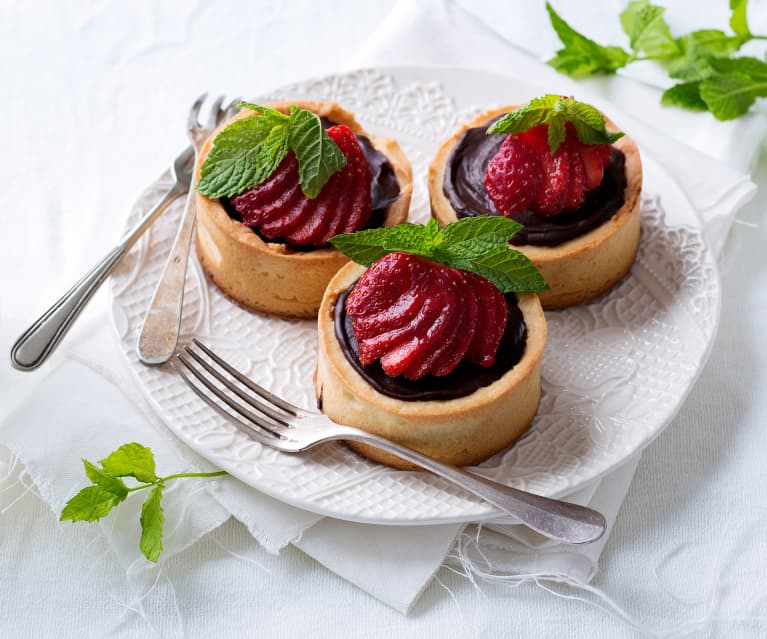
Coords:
pixel 91 98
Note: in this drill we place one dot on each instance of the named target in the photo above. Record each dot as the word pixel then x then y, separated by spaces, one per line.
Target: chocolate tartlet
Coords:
pixel 272 276
pixel 581 254
pixel 459 421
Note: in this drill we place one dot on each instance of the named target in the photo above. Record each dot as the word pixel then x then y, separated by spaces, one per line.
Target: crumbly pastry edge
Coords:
pixel 266 276
pixel 582 268
pixel 462 431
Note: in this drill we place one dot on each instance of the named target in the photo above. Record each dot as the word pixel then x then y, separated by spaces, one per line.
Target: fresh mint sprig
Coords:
pixel 477 244
pixel 248 151
pixel 710 78
pixel 108 490
pixel 556 111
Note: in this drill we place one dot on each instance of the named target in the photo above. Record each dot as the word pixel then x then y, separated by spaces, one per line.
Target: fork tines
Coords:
pixel 211 378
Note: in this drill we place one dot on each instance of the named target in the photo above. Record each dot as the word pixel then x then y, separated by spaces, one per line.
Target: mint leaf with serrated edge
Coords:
pixel 648 32
pixel 509 270
pixel 106 481
pixel 477 244
pixel 248 151
pixel 131 460
pixel 90 504
pixel 697 49
pixel 685 94
pixel 152 520
pixel 582 56
pixel 556 111
pixel 318 156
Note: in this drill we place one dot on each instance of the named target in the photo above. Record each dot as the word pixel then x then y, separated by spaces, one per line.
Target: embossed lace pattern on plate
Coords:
pixel 614 371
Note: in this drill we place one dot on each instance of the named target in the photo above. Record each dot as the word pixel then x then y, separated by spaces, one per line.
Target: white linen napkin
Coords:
pixel 393 564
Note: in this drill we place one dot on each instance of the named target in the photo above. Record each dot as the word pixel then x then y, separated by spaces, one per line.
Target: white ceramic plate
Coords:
pixel 615 371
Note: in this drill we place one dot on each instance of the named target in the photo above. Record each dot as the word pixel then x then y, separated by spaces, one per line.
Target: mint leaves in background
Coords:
pixel 556 111
pixel 477 244
pixel 710 78
pixel 108 490
pixel 248 151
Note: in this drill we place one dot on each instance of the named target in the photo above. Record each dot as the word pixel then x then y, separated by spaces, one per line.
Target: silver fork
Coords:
pixel 274 422
pixel 159 332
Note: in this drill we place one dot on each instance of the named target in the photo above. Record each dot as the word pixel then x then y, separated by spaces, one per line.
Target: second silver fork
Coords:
pixel 274 422
pixel 160 330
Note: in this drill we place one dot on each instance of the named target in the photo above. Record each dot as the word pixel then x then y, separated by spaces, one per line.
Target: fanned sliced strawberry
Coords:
pixel 419 318
pixel 594 161
pixel 491 321
pixel 343 205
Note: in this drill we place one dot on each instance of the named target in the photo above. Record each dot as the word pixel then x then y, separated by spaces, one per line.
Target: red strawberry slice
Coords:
pixel 595 158
pixel 576 191
pixel 457 347
pixel 441 335
pixel 491 321
pixel 513 177
pixel 279 210
pixel 402 310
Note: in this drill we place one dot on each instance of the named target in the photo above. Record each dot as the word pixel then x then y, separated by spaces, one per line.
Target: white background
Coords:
pixel 94 96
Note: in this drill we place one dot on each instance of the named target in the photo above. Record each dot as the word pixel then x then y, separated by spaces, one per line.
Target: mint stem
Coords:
pixel 161 480
pixel 218 473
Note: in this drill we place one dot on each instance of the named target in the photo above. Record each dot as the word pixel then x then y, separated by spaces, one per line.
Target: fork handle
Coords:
pixel 160 329
pixel 553 518
pixel 36 344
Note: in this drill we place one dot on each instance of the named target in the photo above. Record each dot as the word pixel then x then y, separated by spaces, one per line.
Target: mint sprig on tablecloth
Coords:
pixel 108 490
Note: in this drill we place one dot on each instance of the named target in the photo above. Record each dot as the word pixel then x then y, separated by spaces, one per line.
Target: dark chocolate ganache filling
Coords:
pixel 464 187
pixel 384 188
pixel 464 380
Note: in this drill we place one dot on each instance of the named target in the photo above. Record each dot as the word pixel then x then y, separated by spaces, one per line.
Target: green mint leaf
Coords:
pixel 132 460
pixel 273 115
pixel 271 153
pixel 647 30
pixel 365 247
pixel 108 482
pixel 739 19
pixel 729 95
pixel 556 112
pixel 525 118
pixel 510 270
pixel 318 156
pixel 152 520
pixel 90 504
pixel 456 234
pixel 696 51
pixel 686 95
pixel 232 166
pixel 580 55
